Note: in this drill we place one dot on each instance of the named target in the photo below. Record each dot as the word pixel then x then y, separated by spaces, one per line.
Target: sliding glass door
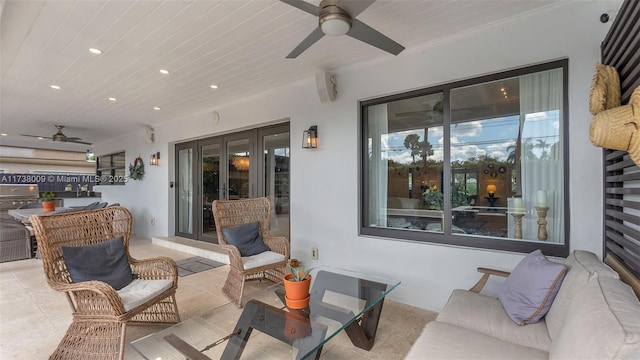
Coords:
pixel 275 177
pixel 228 168
pixel 185 194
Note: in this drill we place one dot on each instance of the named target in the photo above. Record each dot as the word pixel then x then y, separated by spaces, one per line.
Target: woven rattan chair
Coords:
pixel 267 265
pixel 100 315
pixel 15 241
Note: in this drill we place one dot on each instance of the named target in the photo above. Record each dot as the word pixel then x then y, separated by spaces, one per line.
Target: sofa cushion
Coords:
pixel 581 264
pixel 529 290
pixel 440 340
pixel 603 322
pixel 140 291
pixel 485 314
pixel 106 261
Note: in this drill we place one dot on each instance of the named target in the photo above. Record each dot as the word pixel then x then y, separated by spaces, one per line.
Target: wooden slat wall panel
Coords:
pixel 620 49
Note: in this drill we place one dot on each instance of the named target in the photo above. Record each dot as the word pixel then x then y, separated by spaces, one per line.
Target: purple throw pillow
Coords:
pixel 531 287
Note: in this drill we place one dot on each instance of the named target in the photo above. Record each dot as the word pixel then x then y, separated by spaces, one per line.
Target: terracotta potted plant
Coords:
pixel 296 285
pixel 48 203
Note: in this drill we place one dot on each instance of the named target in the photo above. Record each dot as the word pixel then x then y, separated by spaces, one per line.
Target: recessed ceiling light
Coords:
pixel 40 138
pixel 156 108
pixel 112 99
pixel 56 87
pixel 163 71
pixel 3 134
pixel 95 51
pixel 213 86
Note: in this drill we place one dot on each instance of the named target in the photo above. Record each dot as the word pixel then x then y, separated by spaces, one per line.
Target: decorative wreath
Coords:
pixel 136 170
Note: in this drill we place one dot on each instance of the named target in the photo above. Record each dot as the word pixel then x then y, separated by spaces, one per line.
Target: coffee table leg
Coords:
pixel 254 316
pixel 362 335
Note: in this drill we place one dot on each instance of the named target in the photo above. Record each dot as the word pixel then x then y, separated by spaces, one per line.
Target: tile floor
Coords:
pixel 33 317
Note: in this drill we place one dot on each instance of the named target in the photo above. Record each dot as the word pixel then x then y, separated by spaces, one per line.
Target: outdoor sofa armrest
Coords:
pixel 483 280
pixel 158 268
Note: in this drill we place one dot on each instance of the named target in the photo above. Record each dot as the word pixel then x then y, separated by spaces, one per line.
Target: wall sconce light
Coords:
pixel 310 138
pixel 491 189
pixel 155 159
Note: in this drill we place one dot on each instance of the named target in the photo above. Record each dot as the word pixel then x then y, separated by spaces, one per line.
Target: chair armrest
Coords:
pixel 483 280
pixel 158 268
pixel 91 297
pixel 278 244
pixel 235 259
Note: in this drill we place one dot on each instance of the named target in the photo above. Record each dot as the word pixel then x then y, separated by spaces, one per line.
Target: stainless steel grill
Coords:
pixel 13 196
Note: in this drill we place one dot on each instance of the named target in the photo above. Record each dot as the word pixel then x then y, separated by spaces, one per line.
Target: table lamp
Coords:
pixel 491 189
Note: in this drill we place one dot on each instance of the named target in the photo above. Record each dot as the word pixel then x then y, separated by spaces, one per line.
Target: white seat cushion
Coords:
pixel 262 259
pixel 445 341
pixel 140 291
pixel 485 314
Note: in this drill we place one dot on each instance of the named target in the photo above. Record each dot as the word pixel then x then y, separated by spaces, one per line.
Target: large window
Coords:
pixel 479 163
pixel 110 169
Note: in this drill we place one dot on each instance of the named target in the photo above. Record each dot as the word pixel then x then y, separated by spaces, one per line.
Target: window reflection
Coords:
pixel 504 160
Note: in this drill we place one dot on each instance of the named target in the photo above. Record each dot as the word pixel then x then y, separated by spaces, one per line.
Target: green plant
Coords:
pixel 434 200
pixel 48 196
pixel 297 270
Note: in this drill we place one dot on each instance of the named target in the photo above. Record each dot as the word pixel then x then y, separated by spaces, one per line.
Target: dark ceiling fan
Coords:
pixel 337 17
pixel 59 136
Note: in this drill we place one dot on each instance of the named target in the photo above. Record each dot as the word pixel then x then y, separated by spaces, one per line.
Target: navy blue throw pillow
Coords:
pixel 106 261
pixel 246 238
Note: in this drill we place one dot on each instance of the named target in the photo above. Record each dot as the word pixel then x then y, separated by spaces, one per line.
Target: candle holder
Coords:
pixel 542 222
pixel 517 219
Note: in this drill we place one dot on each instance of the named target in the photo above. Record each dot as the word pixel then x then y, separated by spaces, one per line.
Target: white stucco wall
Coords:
pixel 325 184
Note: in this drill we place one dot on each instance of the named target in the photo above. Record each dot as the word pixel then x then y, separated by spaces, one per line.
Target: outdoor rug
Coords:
pixel 195 264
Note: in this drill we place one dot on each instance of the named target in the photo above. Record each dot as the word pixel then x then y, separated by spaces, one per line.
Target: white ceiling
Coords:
pixel 236 44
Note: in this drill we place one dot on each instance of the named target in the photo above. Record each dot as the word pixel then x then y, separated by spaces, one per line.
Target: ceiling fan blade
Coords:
pixel 355 7
pixel 315 35
pixel 37 136
pixel 304 6
pixel 72 140
pixel 369 35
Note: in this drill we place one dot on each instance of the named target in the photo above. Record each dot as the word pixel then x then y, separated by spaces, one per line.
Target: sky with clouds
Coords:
pixel 472 139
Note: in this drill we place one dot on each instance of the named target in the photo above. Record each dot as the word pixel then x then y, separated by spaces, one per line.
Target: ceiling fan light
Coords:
pixel 335 22
pixel 335 27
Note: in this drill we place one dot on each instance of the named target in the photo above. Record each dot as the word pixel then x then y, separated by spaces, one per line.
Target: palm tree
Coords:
pixel 412 142
pixel 425 151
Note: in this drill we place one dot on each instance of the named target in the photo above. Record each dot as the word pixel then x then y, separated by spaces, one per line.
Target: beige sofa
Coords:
pixel 594 316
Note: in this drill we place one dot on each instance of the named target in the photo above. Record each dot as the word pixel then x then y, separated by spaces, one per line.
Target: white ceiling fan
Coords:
pixel 337 17
pixel 59 136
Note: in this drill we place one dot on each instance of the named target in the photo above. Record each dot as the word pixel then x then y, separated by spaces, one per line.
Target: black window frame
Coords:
pixel 106 169
pixel 446 238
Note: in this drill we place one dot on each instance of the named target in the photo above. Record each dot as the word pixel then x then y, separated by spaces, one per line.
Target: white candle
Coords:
pixel 517 204
pixel 541 198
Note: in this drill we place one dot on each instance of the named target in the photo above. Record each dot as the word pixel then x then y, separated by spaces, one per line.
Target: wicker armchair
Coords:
pixel 100 315
pixel 268 265
pixel 15 241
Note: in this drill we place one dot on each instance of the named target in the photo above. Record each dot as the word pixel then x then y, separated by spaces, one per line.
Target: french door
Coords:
pixel 228 168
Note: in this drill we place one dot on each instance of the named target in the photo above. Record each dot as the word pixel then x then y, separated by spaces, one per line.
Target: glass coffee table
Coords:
pixel 266 329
